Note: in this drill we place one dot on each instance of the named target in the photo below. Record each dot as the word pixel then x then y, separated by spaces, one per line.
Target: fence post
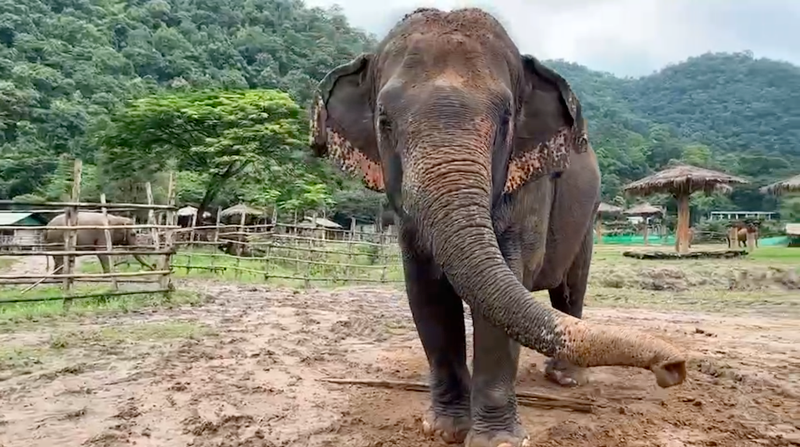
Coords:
pixel 170 219
pixel 70 236
pixel 151 214
pixel 109 242
pixel 216 228
pixel 241 238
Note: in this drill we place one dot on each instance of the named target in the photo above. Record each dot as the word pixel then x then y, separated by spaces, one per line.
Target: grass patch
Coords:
pixel 131 333
pixel 15 313
pixel 328 265
pixel 6 263
pixel 20 357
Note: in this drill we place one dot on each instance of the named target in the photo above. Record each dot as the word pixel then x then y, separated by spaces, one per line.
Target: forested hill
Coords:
pixel 67 67
pixel 725 111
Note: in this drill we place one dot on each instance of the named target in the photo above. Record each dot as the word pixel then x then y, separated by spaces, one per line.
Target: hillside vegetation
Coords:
pixel 69 68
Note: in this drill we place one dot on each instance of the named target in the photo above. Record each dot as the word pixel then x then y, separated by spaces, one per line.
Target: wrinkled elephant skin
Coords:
pixel 484 158
pixel 91 239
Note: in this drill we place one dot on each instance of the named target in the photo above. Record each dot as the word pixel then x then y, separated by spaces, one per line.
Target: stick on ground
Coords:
pixel 524 398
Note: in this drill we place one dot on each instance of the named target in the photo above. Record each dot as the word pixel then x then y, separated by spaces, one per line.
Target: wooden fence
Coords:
pixel 161 244
pixel 300 254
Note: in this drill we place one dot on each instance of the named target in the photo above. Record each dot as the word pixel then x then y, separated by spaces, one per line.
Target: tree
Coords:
pixel 220 134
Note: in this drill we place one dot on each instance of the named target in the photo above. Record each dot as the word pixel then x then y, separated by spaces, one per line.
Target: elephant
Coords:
pixel 741 233
pixel 94 239
pixel 484 157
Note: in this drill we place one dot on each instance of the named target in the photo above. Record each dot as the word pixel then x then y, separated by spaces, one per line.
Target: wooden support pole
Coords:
pixel 598 229
pixel 171 219
pixel 151 214
pixel 71 236
pixel 682 233
pixel 109 242
pixel 751 241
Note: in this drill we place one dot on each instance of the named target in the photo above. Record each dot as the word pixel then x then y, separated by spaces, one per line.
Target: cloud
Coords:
pixel 625 37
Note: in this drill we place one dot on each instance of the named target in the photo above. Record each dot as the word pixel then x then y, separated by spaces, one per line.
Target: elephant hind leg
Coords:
pixel 568 297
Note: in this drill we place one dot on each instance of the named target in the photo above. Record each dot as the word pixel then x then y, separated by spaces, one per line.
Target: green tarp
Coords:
pixel 670 240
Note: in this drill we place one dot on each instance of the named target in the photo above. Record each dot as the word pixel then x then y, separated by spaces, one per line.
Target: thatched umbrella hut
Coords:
pixel 242 210
pixel 645 211
pixel 604 210
pixel 681 181
pixel 789 185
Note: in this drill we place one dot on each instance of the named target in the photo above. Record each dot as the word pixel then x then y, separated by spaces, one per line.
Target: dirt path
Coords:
pixel 29 265
pixel 254 380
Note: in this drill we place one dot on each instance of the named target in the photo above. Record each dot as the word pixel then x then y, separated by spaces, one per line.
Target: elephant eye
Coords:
pixel 384 123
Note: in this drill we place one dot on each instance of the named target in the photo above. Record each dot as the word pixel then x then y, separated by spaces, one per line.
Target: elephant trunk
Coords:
pixel 142 261
pixel 450 197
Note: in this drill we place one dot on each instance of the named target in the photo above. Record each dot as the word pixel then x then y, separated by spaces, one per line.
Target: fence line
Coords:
pixel 292 257
pixel 70 250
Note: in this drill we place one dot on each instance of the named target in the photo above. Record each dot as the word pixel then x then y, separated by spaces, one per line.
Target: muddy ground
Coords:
pixel 244 369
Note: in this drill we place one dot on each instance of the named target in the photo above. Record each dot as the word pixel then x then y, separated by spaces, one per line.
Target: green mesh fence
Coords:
pixel 670 240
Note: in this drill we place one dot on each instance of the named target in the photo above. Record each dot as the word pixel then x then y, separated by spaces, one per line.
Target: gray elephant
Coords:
pixel 484 158
pixel 94 239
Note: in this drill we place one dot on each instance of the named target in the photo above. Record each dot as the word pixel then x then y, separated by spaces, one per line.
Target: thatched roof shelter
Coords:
pixel 608 209
pixel 681 181
pixel 789 185
pixel 240 209
pixel 644 210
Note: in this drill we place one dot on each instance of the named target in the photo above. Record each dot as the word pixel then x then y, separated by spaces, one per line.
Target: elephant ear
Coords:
pixel 343 127
pixel 549 126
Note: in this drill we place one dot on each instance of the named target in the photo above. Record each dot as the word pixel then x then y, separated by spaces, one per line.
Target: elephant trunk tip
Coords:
pixel 590 345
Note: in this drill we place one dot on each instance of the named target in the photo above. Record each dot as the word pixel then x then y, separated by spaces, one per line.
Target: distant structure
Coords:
pixel 739 215
pixel 19 238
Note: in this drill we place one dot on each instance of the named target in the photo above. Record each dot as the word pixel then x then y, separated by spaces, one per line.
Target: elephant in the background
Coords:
pixel 484 157
pixel 743 228
pixel 87 239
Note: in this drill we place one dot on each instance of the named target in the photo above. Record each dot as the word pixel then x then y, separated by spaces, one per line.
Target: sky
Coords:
pixel 624 37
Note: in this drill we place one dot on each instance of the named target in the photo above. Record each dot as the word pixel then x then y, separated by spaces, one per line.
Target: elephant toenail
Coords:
pixel 526 442
pixel 427 428
pixel 505 444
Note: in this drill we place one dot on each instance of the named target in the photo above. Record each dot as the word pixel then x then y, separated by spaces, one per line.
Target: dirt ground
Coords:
pixel 244 369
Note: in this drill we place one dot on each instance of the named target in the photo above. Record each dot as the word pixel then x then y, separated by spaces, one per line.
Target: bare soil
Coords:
pixel 253 378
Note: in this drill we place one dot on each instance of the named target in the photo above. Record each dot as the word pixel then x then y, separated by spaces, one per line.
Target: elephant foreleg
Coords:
pixel 58 263
pixel 568 297
pixel 439 317
pixel 495 364
pixel 104 263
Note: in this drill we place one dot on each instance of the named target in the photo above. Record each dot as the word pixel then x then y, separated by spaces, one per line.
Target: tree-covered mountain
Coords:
pixel 67 65
pixel 69 68
pixel 730 112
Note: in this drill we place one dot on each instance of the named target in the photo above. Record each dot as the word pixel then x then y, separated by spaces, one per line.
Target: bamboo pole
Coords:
pixel 83 296
pixel 109 244
pixel 682 233
pixel 90 227
pixel 112 206
pixel 161 251
pixel 151 214
pixel 85 275
pixel 170 218
pixel 71 236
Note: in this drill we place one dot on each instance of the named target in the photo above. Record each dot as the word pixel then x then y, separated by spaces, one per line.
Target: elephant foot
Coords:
pixel 517 438
pixel 564 373
pixel 451 429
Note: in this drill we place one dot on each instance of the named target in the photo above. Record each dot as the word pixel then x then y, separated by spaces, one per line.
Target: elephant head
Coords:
pixel 126 236
pixel 449 119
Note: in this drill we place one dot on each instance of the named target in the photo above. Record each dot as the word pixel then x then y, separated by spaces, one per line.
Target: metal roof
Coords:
pixel 12 218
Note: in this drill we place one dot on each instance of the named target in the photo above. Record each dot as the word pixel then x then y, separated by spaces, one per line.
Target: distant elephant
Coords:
pixel 484 158
pixel 741 233
pixel 87 238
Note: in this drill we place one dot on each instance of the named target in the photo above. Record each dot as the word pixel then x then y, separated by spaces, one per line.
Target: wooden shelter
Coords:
pixel 604 210
pixel 645 211
pixel 11 238
pixel 791 184
pixel 244 212
pixel 681 181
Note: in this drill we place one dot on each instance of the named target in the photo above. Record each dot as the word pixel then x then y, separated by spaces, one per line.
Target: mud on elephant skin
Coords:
pixel 483 156
pixel 94 239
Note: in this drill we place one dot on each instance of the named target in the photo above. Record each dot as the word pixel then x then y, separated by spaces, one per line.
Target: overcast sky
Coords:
pixel 625 37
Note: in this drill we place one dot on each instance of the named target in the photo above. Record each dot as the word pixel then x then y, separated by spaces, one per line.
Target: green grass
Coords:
pixel 21 358
pixel 6 263
pixel 130 333
pixel 12 314
pixel 327 266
